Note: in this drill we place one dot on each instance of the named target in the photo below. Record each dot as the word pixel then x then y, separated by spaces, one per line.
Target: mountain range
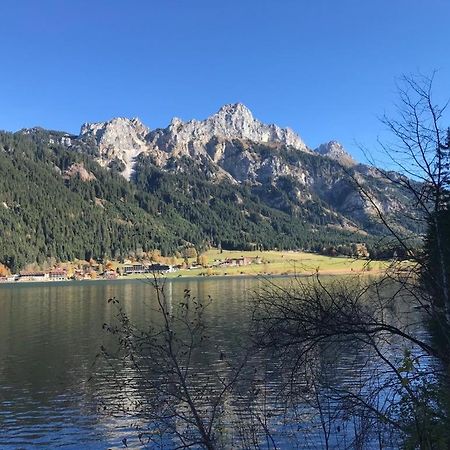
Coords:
pixel 120 188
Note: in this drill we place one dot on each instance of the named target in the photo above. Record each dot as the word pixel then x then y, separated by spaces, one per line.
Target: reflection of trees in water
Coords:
pixel 285 396
pixel 179 402
pixel 362 349
pixel 321 376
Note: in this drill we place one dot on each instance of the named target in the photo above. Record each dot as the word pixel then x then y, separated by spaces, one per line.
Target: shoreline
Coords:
pixel 178 278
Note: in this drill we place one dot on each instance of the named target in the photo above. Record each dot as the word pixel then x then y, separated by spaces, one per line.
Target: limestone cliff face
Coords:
pixel 119 140
pixel 233 145
pixel 224 138
pixel 231 122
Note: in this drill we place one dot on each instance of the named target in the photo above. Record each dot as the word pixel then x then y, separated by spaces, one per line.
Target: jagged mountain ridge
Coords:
pixel 232 145
pixel 120 140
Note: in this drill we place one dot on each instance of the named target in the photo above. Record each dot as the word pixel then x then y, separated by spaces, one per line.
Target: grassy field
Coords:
pixel 278 263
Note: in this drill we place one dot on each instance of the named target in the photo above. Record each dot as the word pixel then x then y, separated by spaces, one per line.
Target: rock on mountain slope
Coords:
pixel 336 151
pixel 232 146
pixel 120 140
pixel 229 123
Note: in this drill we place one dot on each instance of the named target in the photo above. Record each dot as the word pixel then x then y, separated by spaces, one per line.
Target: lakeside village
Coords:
pixel 93 270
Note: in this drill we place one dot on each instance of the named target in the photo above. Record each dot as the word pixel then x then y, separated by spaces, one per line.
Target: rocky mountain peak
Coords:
pixel 335 150
pixel 233 121
pixel 232 113
pixel 115 126
pixel 234 108
pixel 233 126
pixel 237 121
pixel 230 122
pixel 175 122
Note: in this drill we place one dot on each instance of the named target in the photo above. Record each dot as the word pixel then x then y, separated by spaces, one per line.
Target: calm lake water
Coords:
pixel 50 334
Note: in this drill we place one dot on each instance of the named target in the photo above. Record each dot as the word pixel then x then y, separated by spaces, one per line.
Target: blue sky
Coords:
pixel 325 68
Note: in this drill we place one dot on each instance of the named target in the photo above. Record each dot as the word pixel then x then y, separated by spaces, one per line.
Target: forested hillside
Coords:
pixel 45 213
pixel 56 201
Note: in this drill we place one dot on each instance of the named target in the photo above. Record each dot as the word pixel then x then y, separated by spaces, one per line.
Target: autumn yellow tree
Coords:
pixel 4 271
pixel 202 260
